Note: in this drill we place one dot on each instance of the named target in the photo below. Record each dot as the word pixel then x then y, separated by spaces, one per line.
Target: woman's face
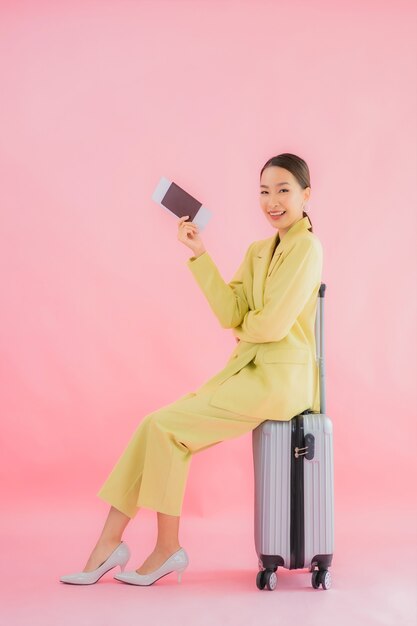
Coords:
pixel 280 191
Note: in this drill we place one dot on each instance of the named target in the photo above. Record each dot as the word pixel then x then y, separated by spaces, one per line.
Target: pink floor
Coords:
pixel 373 572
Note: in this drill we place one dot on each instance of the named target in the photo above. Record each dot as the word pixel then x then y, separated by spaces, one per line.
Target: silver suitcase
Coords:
pixel 294 488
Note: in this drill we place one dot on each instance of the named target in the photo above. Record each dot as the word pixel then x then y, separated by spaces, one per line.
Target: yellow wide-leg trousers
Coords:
pixel 152 470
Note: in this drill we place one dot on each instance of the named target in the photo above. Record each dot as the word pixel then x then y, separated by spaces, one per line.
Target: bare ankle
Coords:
pixel 167 547
pixel 109 541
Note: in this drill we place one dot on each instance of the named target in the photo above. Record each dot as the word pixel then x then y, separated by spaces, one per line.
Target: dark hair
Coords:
pixel 298 168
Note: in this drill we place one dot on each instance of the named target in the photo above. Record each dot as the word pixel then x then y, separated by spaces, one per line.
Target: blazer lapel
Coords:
pixel 261 267
pixel 266 259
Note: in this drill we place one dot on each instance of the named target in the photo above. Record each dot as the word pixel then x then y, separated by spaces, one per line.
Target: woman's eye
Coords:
pixel 279 191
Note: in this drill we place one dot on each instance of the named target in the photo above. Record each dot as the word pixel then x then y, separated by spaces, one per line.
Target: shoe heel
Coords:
pixel 179 574
pixel 125 562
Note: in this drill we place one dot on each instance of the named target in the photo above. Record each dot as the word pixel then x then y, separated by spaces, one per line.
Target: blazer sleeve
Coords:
pixel 227 300
pixel 286 294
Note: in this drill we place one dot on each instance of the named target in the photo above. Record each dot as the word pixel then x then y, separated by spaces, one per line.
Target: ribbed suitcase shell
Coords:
pixel 294 493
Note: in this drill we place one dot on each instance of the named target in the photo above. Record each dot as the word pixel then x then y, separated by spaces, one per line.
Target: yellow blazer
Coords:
pixel 270 304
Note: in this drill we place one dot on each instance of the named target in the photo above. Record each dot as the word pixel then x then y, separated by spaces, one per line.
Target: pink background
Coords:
pixel 98 314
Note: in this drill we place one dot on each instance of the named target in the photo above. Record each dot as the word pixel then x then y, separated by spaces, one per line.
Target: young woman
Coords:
pixel 271 374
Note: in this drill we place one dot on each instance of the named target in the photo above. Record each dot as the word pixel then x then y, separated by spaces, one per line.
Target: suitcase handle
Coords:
pixel 319 333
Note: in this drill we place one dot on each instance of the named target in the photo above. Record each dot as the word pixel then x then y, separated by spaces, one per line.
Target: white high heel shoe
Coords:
pixel 119 556
pixel 177 562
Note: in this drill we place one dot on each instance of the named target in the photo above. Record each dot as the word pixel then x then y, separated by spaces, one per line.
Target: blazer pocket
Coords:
pixel 286 355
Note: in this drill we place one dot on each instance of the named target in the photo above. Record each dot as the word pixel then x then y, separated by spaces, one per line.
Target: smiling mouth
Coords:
pixel 275 213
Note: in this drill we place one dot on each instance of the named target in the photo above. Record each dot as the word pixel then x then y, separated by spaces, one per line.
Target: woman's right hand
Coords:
pixel 188 235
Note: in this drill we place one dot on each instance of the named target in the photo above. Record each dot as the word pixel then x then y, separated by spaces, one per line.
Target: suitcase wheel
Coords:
pixel 321 577
pixel 271 580
pixel 260 580
pixel 266 578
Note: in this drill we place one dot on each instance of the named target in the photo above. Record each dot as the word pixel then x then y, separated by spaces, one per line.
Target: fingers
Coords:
pixel 183 222
pixel 187 231
pixel 187 227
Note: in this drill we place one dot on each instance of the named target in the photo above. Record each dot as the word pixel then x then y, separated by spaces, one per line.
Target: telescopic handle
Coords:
pixel 319 331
